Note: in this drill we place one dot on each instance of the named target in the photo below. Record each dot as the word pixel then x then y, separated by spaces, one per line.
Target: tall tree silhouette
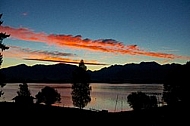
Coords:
pixel 80 87
pixel 23 95
pixel 3 47
pixel 2 37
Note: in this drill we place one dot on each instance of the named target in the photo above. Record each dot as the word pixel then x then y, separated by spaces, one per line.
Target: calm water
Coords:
pixel 111 97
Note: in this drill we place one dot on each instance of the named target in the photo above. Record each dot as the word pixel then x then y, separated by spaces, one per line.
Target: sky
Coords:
pixel 101 32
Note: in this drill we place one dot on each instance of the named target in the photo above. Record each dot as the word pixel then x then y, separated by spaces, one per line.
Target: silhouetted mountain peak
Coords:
pixel 153 63
pixel 18 66
pixel 144 72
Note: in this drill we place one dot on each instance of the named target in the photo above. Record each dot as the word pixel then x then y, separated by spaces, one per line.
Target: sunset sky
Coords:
pixel 101 32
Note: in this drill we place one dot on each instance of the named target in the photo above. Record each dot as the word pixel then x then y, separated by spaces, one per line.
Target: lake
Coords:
pixel 104 96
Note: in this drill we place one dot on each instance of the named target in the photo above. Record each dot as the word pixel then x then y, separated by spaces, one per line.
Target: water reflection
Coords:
pixel 111 97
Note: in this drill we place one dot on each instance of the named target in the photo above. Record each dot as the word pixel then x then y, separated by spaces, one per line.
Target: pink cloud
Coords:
pixel 77 42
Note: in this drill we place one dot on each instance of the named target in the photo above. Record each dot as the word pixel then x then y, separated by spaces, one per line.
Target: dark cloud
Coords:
pixel 50 53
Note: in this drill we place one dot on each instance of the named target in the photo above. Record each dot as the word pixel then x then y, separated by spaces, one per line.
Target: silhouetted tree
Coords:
pixel 1 59
pixel 2 47
pixel 48 95
pixel 139 100
pixel 80 87
pixel 2 37
pixel 23 95
pixel 176 85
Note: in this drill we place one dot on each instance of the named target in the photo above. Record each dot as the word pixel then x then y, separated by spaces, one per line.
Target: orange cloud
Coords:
pixel 76 42
pixel 51 56
pixel 61 60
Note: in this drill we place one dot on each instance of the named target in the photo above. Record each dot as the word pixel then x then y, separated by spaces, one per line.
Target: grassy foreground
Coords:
pixel 54 115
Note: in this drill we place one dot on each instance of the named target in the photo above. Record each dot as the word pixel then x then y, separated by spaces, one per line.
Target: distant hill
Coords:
pixel 39 73
pixel 144 72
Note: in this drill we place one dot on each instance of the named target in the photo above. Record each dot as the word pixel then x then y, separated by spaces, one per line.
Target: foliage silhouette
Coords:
pixel 139 101
pixel 23 95
pixel 2 37
pixel 3 47
pixel 176 85
pixel 80 86
pixel 48 95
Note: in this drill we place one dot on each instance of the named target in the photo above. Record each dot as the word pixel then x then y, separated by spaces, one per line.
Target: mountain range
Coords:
pixel 144 72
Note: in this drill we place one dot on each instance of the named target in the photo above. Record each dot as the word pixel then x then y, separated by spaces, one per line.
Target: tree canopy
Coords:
pixel 48 95
pixel 140 100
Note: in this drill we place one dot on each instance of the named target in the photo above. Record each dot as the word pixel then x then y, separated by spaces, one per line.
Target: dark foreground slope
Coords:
pixel 52 115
